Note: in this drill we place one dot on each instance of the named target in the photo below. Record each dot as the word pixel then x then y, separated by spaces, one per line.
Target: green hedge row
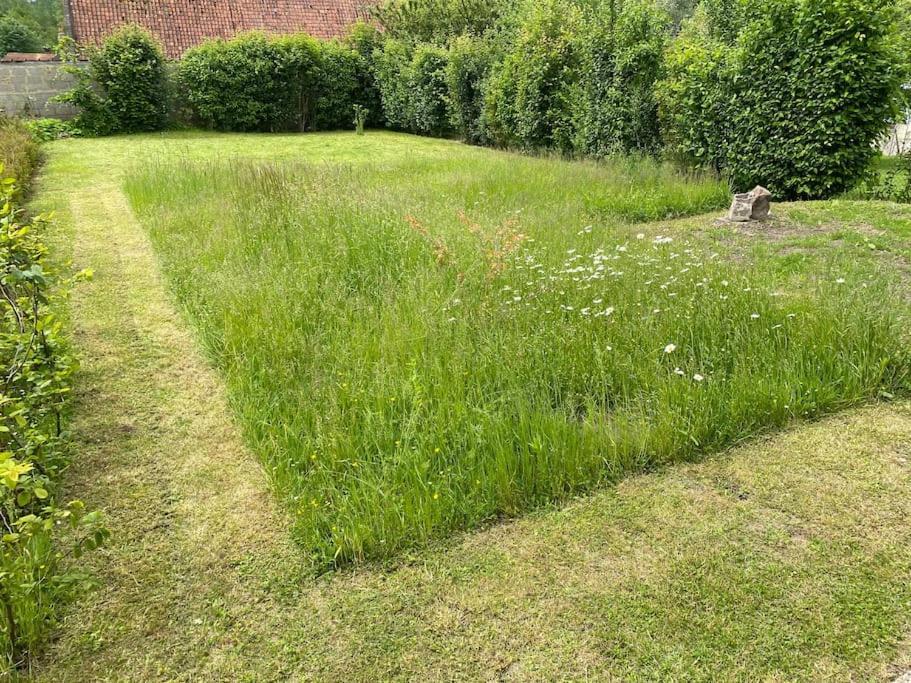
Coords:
pixel 43 535
pixel 791 94
pixel 256 82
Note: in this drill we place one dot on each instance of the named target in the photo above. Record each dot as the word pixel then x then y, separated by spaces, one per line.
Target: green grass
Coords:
pixel 785 559
pixel 422 345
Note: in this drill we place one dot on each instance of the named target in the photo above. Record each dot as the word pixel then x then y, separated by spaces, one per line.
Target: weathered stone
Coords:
pixel 762 203
pixel 741 209
pixel 748 206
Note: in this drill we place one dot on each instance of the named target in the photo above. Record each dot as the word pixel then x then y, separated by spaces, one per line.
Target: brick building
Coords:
pixel 181 24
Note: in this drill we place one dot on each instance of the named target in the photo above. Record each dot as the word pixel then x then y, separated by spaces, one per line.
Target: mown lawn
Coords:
pixel 419 343
pixel 786 558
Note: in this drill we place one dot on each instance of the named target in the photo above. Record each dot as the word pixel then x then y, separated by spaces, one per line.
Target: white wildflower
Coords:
pixel 670 348
pixel 698 378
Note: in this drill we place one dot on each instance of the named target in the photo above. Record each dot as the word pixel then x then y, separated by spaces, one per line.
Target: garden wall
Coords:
pixel 26 89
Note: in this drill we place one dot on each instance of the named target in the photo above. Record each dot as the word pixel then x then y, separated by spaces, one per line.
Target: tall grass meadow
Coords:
pixel 419 347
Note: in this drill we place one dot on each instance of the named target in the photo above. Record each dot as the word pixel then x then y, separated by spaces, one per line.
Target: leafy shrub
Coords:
pixel 365 39
pixel 797 104
pixel 622 59
pixel 258 83
pixel 236 84
pixel 429 90
pixel 392 68
pixel 695 100
pixel 467 71
pixel 19 152
pixel 337 87
pixel 413 87
pixel 123 90
pixel 15 36
pixel 532 96
pixel 37 370
pixel 45 130
pixel 297 70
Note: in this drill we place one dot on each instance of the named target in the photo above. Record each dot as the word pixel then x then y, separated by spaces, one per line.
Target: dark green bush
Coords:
pixel 296 73
pixel 259 83
pixel 622 58
pixel 242 84
pixel 796 104
pixel 533 95
pixel 392 68
pixel 337 87
pixel 123 90
pixel 365 39
pixel 429 90
pixel 15 36
pixel 467 71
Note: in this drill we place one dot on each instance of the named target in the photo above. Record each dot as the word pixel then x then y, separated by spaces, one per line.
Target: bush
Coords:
pixel 436 21
pixel 37 369
pixel 622 59
pixel 15 36
pixel 297 69
pixel 429 90
pixel 338 86
pixel 797 104
pixel 124 88
pixel 237 84
pixel 365 39
pixel 257 83
pixel 533 95
pixel 45 130
pixel 19 152
pixel 467 71
pixel 392 68
pixel 695 100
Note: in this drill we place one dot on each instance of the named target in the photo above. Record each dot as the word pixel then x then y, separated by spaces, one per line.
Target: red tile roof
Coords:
pixel 181 24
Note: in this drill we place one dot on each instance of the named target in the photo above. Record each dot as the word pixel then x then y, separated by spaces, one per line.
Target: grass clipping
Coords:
pixel 417 352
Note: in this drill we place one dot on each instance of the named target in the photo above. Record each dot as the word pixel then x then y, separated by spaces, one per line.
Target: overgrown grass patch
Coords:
pixel 417 346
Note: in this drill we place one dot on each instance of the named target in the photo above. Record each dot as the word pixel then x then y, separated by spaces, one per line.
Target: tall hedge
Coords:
pixel 622 58
pixel 237 84
pixel 338 87
pixel 533 95
pixel 365 39
pixel 413 87
pixel 696 98
pixel 429 90
pixel 255 82
pixel 392 68
pixel 298 69
pixel 796 104
pixel 468 69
